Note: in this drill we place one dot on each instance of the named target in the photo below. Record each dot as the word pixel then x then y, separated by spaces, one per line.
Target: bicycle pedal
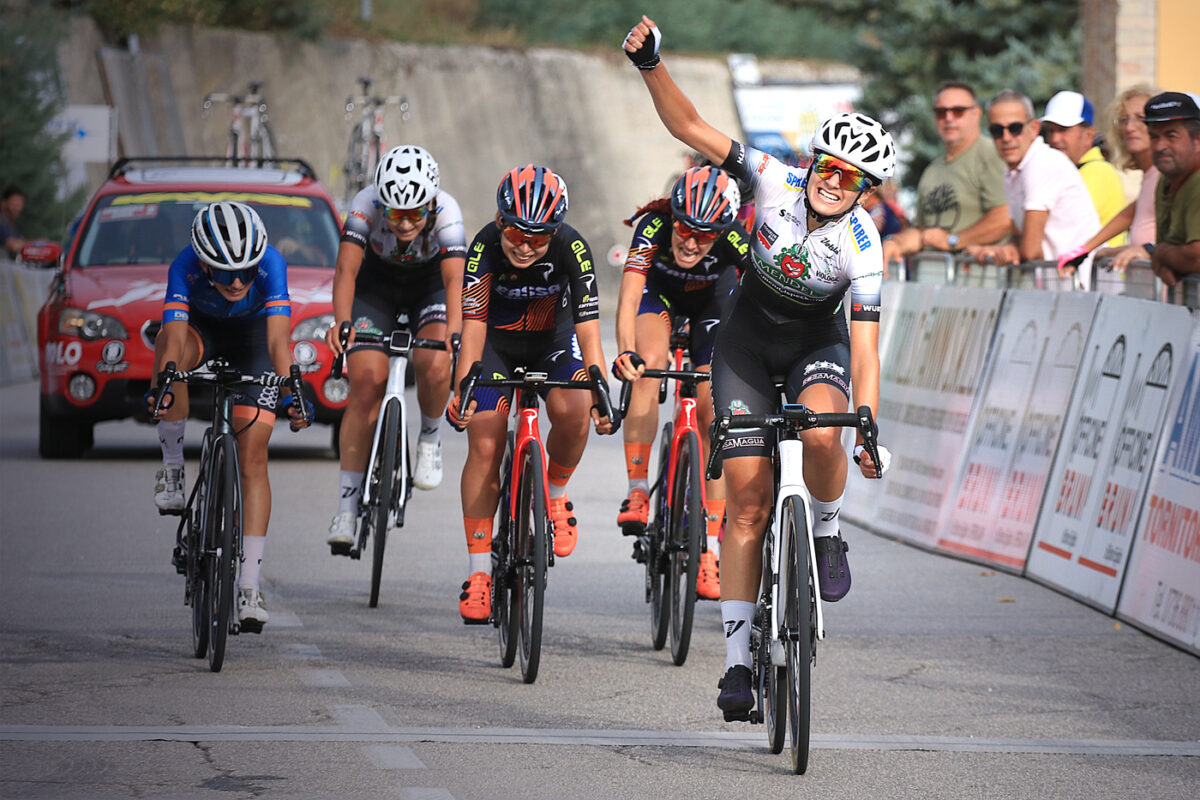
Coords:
pixel 170 512
pixel 476 621
pixel 735 715
pixel 339 549
pixel 179 561
pixel 633 529
pixel 251 626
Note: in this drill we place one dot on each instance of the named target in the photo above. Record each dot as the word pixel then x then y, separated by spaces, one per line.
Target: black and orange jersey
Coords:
pixel 650 255
pixel 532 298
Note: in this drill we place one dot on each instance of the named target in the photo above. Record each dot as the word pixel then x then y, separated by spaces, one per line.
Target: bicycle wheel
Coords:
pixel 384 475
pixel 529 559
pixel 656 560
pixel 502 570
pixel 798 627
pixel 687 526
pixel 197 583
pixel 221 534
pixel 772 679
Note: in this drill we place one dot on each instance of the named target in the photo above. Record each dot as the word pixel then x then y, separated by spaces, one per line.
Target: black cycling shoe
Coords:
pixel 833 570
pixel 736 697
pixel 179 560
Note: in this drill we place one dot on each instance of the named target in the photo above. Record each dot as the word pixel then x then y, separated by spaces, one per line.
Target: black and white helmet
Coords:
pixel 228 235
pixel 859 140
pixel 407 177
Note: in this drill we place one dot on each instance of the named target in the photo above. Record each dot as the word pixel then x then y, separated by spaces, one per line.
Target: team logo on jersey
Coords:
pixel 861 241
pixel 766 236
pixel 738 408
pixel 794 182
pixel 793 261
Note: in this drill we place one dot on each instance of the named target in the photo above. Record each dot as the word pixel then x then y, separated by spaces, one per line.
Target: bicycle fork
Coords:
pixel 394 388
pixel 791 484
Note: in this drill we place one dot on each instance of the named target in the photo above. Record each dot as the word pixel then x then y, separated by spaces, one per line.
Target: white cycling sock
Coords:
pixel 480 562
pixel 252 556
pixel 170 438
pixel 350 485
pixel 431 429
pixel 825 522
pixel 737 615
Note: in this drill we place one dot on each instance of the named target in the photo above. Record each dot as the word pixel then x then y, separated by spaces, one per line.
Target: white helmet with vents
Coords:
pixel 858 140
pixel 407 177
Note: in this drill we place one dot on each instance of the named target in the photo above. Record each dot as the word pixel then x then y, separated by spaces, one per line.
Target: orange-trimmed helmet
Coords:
pixel 532 198
pixel 706 199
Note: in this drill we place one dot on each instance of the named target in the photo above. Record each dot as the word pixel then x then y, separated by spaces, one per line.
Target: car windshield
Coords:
pixel 152 227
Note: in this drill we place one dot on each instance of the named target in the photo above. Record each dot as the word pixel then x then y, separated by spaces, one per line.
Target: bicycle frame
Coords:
pixel 397 367
pixel 791 484
pixel 526 429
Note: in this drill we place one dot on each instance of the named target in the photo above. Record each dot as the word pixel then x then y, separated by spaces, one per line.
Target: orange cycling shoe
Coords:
pixel 708 579
pixel 565 530
pixel 635 511
pixel 475 602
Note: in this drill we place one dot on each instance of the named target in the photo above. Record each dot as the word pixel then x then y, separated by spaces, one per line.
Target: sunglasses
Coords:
pixel 226 277
pixel 517 237
pixel 686 231
pixel 406 214
pixel 1126 119
pixel 1014 129
pixel 851 178
pixel 941 112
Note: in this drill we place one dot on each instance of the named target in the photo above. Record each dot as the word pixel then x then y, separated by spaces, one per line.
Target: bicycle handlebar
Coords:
pixel 399 347
pixel 689 377
pixel 792 417
pixel 217 372
pixel 538 380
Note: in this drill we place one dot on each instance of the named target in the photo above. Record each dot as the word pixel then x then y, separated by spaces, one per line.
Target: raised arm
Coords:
pixel 673 106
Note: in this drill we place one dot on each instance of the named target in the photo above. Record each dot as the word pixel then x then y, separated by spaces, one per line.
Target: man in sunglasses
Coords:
pixel 1173 119
pixel 1049 207
pixel 227 296
pixel 529 300
pixel 960 197
pixel 686 255
pixel 401 254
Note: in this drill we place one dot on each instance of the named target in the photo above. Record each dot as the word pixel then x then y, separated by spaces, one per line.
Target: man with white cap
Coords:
pixel 1069 125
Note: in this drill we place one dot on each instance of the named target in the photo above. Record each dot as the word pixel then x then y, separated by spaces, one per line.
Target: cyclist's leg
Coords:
pixel 703 328
pixel 169 483
pixel 569 411
pixel 432 368
pixel 652 331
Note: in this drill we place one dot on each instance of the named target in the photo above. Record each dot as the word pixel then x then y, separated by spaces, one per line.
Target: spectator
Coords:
pixel 1131 138
pixel 1049 208
pixel 960 197
pixel 1069 125
pixel 1174 122
pixel 885 211
pixel 11 206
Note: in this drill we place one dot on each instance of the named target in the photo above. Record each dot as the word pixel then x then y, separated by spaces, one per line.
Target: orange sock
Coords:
pixel 479 534
pixel 558 474
pixel 715 510
pixel 637 460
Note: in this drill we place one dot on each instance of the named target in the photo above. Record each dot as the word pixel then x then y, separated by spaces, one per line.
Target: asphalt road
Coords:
pixel 939 678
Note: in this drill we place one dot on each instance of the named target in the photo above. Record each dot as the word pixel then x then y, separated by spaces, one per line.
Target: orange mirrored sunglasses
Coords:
pixel 517 237
pixel 685 231
pixel 406 214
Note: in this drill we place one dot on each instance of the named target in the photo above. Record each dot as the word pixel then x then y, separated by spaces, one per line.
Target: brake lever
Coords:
pixel 340 360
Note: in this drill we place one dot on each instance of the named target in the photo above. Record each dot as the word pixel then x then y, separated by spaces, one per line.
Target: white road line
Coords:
pixel 392 756
pixel 577 737
pixel 323 678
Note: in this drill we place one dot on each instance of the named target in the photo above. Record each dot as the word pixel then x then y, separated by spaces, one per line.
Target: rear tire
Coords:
pixel 687 528
pixel 384 474
pixel 656 562
pixel 222 532
pixel 797 621
pixel 530 559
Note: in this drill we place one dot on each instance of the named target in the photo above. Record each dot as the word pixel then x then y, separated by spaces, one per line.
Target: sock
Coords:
pixel 431 429
pixel 479 544
pixel 559 475
pixel 170 438
pixel 350 484
pixel 716 514
pixel 737 615
pixel 825 515
pixel 637 465
pixel 252 556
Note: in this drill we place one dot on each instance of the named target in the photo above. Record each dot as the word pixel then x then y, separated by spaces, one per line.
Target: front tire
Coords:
pixel 384 471
pixel 656 560
pixel 221 531
pixel 687 528
pixel 797 622
pixel 529 557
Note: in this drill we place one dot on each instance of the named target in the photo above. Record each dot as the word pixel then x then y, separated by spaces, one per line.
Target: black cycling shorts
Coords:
pixel 243 343
pixel 703 310
pixel 418 298
pixel 554 352
pixel 752 352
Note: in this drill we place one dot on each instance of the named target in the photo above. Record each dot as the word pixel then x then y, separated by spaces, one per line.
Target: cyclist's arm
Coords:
pixel 864 366
pixel 452 277
pixel 588 335
pixel 673 106
pixel 345 273
pixel 628 300
pixel 171 340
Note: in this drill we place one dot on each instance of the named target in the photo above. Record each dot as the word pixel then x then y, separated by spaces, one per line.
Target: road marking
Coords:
pixel 599 738
pixel 392 756
pixel 324 678
pixel 300 650
pixel 414 793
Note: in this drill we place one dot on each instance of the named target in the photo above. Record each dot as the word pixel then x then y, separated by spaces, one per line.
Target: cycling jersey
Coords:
pixel 189 289
pixel 650 255
pixel 529 300
pixel 367 227
pixel 797 272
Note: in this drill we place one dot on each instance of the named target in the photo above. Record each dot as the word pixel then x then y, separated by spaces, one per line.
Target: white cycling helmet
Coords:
pixel 228 235
pixel 407 177
pixel 858 140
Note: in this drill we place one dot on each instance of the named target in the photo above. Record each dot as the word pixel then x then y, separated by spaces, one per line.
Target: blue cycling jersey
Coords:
pixel 188 289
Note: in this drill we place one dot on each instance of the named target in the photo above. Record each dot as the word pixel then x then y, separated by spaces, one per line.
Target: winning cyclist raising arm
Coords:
pixel 812 243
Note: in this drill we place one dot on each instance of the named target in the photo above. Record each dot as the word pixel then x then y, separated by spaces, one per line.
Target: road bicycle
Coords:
pixel 523 549
pixel 671 544
pixel 788 620
pixel 250 140
pixel 208 542
pixel 366 137
pixel 387 483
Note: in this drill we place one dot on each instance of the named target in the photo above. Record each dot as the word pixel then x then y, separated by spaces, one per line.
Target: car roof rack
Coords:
pixel 124 164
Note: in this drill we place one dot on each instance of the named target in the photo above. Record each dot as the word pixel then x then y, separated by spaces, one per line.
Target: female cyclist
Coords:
pixel 529 299
pixel 227 295
pixel 683 262
pixel 811 243
pixel 401 252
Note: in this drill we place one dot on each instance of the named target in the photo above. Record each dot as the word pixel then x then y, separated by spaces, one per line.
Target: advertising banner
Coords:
pixel 1098 484
pixel 1015 427
pixel 932 367
pixel 1162 582
pixel 775 116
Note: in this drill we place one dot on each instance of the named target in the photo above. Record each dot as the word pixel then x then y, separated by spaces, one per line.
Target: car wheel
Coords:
pixel 63 437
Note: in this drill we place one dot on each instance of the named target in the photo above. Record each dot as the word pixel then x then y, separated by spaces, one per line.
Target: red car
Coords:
pixel 96 330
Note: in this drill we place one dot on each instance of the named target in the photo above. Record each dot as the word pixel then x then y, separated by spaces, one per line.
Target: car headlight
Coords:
pixel 312 328
pixel 89 325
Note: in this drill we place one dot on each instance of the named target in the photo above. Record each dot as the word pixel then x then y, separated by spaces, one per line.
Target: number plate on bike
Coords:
pixel 401 342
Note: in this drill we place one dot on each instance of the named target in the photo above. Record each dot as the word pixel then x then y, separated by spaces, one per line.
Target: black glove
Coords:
pixel 646 56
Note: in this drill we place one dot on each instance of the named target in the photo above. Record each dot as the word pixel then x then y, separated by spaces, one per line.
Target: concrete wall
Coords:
pixel 480 111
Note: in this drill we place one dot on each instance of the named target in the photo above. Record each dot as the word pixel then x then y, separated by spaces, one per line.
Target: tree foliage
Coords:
pixel 119 18
pixel 905 48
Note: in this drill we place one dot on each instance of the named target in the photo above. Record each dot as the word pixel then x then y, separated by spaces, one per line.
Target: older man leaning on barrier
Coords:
pixel 1049 207
pixel 960 197
pixel 1174 122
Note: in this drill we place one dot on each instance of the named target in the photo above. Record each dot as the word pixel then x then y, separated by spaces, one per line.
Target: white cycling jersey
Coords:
pixel 798 272
pixel 367 227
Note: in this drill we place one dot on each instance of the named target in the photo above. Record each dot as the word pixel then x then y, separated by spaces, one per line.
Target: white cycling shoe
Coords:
pixel 252 610
pixel 341 532
pixel 428 474
pixel 168 489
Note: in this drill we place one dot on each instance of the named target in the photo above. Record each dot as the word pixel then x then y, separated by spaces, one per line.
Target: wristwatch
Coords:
pixel 1149 248
pixel 952 240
